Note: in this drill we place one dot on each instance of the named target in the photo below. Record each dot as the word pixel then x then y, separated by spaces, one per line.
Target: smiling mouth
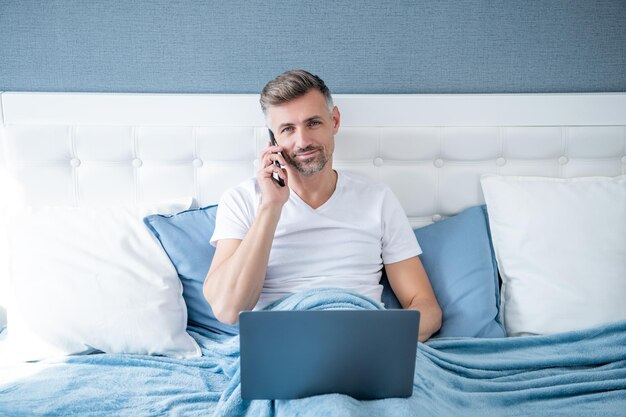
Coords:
pixel 308 160
pixel 306 155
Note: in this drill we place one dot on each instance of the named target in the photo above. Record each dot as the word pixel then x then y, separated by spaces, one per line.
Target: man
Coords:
pixel 322 229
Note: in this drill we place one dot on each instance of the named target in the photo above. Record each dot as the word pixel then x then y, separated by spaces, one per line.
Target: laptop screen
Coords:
pixel 367 354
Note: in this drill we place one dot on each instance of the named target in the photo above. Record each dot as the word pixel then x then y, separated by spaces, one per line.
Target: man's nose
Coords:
pixel 302 138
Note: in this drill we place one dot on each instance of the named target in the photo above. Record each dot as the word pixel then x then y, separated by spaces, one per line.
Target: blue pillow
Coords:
pixel 458 256
pixel 185 237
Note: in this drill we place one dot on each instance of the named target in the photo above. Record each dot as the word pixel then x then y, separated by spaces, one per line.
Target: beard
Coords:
pixel 308 166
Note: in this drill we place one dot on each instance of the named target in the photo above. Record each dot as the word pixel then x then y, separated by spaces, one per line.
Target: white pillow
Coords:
pixel 4 270
pixel 561 250
pixel 7 195
pixel 86 278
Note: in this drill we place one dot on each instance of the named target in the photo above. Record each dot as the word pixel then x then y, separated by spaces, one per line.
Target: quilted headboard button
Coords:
pixel 624 159
pixel 500 161
pixel 438 163
pixel 74 162
pixel 255 163
pixel 436 217
pixel 563 160
pixel 378 162
pixel 137 162
pixel 197 162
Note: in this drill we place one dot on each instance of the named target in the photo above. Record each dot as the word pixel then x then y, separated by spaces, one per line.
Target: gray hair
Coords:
pixel 291 85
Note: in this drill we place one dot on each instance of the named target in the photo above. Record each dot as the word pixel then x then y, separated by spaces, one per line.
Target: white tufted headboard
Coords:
pixel 105 149
pixel 85 148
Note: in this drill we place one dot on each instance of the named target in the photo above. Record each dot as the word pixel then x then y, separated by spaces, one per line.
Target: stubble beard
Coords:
pixel 311 165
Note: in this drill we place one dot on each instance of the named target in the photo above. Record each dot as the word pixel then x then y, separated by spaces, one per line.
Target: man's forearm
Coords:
pixel 236 284
pixel 430 318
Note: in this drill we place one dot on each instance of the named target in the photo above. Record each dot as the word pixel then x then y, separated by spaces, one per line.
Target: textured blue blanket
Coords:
pixel 576 373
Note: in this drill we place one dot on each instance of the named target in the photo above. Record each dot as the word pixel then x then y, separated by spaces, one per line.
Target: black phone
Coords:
pixel 278 179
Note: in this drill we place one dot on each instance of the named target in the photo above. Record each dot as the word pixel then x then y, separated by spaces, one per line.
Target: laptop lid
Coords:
pixel 367 354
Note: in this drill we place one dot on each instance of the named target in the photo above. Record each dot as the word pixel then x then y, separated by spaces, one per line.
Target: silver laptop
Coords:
pixel 367 354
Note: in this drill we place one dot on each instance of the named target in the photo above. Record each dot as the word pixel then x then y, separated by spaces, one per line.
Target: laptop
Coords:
pixel 367 354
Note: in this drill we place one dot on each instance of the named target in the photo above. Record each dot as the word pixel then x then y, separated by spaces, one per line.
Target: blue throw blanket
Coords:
pixel 576 373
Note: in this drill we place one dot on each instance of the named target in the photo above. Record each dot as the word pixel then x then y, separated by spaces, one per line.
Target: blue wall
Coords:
pixel 383 46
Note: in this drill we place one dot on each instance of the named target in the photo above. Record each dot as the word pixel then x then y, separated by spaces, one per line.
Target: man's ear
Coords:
pixel 336 116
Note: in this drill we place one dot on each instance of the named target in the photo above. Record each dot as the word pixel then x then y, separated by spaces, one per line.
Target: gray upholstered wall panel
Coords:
pixel 390 46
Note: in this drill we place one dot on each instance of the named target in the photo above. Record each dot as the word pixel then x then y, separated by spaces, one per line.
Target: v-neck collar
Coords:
pixel 327 202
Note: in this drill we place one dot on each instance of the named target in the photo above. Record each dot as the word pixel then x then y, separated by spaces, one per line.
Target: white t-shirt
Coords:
pixel 342 244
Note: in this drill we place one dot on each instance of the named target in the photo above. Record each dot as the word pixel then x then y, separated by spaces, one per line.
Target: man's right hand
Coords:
pixel 237 274
pixel 272 193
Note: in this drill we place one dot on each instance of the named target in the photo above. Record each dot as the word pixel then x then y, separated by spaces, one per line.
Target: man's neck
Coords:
pixel 316 189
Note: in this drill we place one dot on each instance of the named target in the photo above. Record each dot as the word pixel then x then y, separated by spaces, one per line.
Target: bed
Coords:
pixel 518 201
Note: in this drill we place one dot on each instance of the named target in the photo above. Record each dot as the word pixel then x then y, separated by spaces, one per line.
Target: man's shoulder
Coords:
pixel 246 190
pixel 362 182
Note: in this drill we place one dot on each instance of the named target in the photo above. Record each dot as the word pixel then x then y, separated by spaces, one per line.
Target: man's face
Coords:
pixel 305 128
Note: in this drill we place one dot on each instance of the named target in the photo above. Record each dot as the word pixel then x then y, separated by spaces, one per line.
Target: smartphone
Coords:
pixel 278 179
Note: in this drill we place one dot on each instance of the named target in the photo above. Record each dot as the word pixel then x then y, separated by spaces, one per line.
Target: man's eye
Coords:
pixel 286 129
pixel 314 123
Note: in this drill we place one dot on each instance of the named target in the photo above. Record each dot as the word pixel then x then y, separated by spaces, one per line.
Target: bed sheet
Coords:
pixel 574 373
